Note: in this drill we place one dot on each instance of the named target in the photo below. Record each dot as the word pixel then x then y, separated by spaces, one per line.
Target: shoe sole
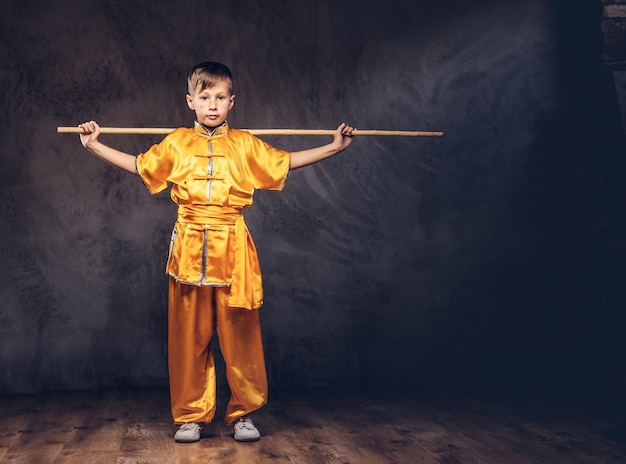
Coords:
pixel 178 440
pixel 247 439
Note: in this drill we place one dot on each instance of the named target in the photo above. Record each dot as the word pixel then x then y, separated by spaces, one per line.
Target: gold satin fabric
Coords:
pixel 194 313
pixel 213 177
pixel 212 245
pixel 215 274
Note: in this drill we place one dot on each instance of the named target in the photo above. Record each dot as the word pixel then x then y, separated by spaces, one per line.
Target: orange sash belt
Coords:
pixel 208 214
pixel 246 286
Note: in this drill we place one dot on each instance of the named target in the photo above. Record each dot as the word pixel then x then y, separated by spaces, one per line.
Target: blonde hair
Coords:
pixel 206 75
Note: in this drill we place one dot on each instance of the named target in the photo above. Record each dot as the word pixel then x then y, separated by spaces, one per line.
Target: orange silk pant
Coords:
pixel 194 314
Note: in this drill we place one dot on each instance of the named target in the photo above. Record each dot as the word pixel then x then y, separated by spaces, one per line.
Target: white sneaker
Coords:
pixel 245 430
pixel 188 433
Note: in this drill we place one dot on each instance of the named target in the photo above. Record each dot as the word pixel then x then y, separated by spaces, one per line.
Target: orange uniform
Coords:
pixel 215 276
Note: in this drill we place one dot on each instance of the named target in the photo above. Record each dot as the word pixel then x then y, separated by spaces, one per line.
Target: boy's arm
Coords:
pixel 89 139
pixel 341 140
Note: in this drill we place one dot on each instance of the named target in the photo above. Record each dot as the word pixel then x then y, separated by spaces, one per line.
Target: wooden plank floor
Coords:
pixel 321 426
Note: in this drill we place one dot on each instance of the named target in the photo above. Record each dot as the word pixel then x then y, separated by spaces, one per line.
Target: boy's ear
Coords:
pixel 232 102
pixel 190 102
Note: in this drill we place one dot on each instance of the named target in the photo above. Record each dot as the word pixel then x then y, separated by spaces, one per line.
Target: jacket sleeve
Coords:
pixel 268 166
pixel 157 164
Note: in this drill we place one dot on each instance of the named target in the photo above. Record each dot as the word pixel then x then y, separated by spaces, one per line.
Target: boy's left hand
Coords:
pixel 343 136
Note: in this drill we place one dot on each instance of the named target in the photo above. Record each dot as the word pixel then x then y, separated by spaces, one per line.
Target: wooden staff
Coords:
pixel 167 130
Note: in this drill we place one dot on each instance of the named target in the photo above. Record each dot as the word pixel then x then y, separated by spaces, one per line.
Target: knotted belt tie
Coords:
pixel 246 288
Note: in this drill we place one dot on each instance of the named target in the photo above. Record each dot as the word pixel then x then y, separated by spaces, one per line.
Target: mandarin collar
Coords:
pixel 201 129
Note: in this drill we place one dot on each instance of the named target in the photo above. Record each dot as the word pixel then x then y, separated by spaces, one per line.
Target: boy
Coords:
pixel 214 273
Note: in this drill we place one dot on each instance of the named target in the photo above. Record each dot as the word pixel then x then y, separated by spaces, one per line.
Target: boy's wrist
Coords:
pixel 90 145
pixel 335 148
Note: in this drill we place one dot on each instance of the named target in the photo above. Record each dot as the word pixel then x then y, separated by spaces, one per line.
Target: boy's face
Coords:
pixel 212 104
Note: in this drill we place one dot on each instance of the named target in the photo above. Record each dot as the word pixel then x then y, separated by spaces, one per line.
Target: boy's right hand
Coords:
pixel 89 132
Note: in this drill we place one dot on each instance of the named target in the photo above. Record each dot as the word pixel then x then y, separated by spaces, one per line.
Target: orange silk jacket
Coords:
pixel 213 177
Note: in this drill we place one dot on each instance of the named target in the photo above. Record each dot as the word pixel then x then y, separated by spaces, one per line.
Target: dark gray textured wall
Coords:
pixel 402 260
